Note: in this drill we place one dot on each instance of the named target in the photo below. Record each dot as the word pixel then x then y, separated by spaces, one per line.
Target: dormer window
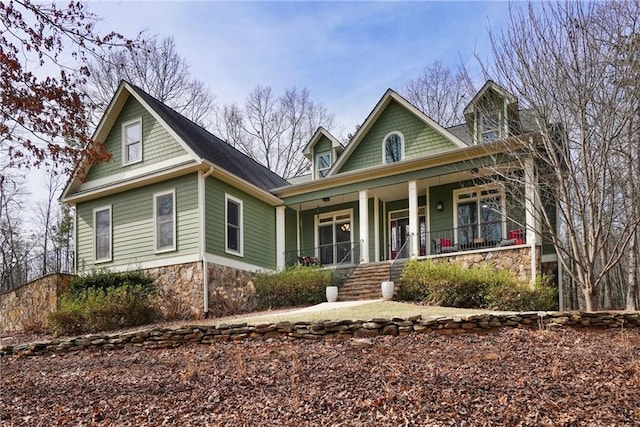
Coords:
pixel 323 164
pixel 132 142
pixel 393 148
pixel 490 127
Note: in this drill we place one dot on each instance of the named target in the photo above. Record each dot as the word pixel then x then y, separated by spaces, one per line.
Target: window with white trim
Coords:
pixel 490 127
pixel 233 221
pixel 132 141
pixel 480 214
pixel 102 234
pixel 333 235
pixel 164 214
pixel 393 148
pixel 323 164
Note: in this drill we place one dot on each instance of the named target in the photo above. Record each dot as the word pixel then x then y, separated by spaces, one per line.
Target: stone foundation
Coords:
pixel 27 307
pixel 180 290
pixel 517 261
pixel 230 290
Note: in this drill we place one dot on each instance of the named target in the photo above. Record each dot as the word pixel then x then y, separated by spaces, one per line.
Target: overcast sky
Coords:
pixel 346 53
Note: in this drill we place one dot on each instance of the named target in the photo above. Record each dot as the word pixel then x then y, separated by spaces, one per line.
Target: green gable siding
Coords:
pixel 419 138
pixel 132 224
pixel 157 143
pixel 258 222
pixel 322 146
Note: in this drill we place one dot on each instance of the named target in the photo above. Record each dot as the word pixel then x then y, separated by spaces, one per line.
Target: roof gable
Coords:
pixel 423 136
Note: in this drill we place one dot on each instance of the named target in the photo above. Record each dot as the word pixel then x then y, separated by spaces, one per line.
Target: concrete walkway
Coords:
pixel 331 305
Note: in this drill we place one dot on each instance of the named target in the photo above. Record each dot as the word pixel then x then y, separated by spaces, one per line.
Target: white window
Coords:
pixel 333 238
pixel 323 164
pixel 132 142
pixel 164 214
pixel 393 148
pixel 102 234
pixel 489 127
pixel 480 215
pixel 233 220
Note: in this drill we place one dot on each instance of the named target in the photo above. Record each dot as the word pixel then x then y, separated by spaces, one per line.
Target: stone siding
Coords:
pixel 357 330
pixel 27 307
pixel 180 290
pixel 517 261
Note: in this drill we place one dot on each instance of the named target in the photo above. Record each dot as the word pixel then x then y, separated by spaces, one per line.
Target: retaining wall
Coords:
pixel 174 337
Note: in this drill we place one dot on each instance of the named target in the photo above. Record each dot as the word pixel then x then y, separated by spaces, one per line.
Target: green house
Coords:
pixel 177 201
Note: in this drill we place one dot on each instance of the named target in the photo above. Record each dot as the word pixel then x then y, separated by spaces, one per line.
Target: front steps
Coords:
pixel 365 281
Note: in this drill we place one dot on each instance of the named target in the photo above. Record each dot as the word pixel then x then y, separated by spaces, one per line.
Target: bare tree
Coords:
pixel 44 49
pixel 565 62
pixel 440 93
pixel 157 68
pixel 273 129
pixel 47 213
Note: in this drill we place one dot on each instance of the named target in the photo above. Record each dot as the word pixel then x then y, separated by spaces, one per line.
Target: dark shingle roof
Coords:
pixel 209 147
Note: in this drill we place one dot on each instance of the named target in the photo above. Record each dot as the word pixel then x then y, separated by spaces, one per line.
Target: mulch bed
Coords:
pixel 510 377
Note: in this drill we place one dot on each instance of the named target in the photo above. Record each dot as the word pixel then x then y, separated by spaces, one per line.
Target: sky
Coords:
pixel 345 53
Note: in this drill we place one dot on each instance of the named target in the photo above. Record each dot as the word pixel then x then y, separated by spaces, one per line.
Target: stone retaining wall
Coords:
pixel 516 261
pixel 180 290
pixel 174 337
pixel 27 307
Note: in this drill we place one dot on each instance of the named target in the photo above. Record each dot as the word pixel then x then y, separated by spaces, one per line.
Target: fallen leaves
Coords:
pixel 512 377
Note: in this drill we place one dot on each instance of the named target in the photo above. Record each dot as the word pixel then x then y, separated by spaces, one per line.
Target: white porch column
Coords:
pixel 364 225
pixel 531 202
pixel 413 219
pixel 280 237
pixel 376 228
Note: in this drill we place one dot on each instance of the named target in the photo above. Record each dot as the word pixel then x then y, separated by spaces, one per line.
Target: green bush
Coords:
pixel 452 285
pixel 521 297
pixel 294 286
pixel 92 306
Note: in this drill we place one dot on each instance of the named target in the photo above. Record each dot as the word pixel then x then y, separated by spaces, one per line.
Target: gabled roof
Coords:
pixel 209 147
pixel 489 85
pixel 389 96
pixel 320 132
pixel 198 142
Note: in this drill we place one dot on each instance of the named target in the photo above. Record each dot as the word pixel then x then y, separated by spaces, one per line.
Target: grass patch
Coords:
pixel 367 311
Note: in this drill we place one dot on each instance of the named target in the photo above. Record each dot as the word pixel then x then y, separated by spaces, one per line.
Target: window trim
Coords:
pixel 333 216
pixel 239 202
pixel 124 141
pixel 478 190
pixel 384 147
pixel 97 260
pixel 155 221
pixel 317 162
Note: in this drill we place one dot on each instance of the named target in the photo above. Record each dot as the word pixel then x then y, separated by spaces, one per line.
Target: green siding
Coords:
pixel 420 139
pixel 132 224
pixel 322 146
pixel 291 230
pixel 258 225
pixel 157 143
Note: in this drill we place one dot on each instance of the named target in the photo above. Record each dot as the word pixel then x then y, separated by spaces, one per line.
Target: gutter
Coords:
pixel 203 238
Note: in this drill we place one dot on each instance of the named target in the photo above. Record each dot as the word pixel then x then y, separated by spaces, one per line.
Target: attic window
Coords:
pixel 490 127
pixel 323 164
pixel 393 148
pixel 132 142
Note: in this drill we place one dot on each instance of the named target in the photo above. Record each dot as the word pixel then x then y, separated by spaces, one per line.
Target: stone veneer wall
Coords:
pixel 180 290
pixel 28 306
pixel 515 260
pixel 358 330
pixel 232 283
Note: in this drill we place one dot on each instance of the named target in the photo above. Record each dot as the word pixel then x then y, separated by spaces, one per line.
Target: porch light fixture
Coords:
pixel 439 206
pixel 326 199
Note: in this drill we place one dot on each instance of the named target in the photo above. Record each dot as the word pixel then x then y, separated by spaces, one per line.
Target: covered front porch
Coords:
pixel 444 215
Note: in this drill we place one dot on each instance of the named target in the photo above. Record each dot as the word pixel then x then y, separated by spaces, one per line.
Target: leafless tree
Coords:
pixel 47 214
pixel 570 64
pixel 157 68
pixel 273 129
pixel 440 93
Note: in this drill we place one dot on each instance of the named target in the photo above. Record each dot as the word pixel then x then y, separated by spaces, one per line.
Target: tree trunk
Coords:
pixel 632 283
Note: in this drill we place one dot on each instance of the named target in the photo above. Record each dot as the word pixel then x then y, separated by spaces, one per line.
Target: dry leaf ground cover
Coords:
pixel 509 377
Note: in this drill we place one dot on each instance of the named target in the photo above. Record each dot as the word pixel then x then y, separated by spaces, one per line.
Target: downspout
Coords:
pixel 203 237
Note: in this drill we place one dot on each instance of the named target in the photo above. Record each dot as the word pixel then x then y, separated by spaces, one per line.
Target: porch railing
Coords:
pixel 397 264
pixel 473 237
pixel 347 264
pixel 19 273
pixel 325 255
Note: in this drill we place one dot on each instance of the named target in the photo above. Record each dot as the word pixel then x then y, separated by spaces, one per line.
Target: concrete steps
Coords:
pixel 364 282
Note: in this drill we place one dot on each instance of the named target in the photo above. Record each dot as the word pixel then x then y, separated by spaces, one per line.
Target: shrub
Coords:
pixel 450 284
pixel 232 299
pixel 298 285
pixel 101 302
pixel 521 297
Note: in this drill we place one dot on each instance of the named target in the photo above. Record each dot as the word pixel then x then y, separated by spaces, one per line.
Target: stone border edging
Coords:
pixel 174 337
